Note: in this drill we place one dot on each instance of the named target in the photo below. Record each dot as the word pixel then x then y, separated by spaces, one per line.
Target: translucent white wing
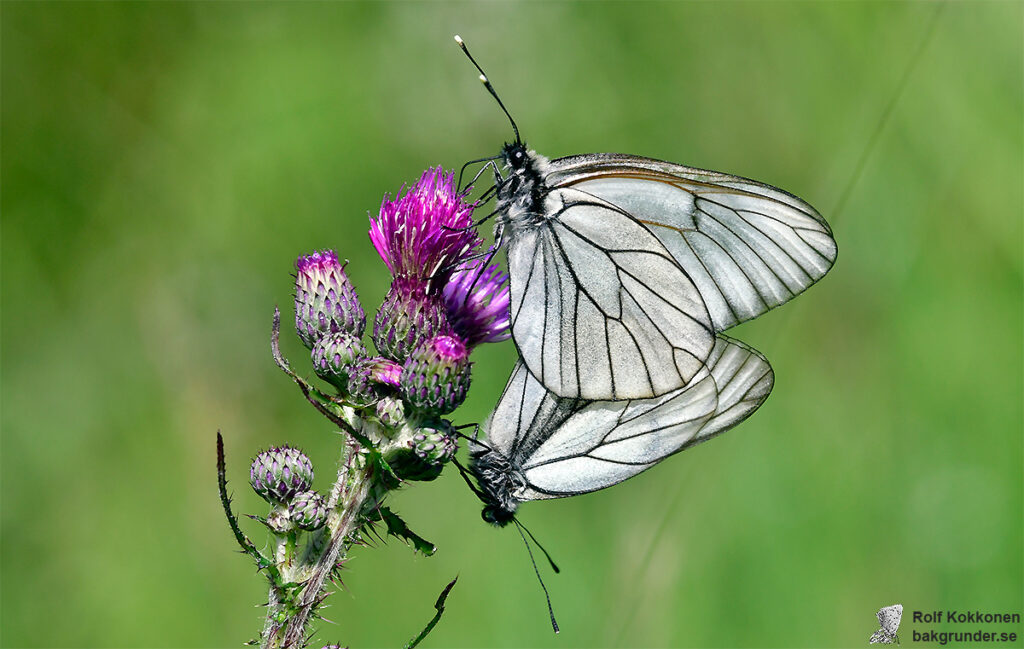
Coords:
pixel 563 447
pixel 525 415
pixel 748 247
pixel 599 308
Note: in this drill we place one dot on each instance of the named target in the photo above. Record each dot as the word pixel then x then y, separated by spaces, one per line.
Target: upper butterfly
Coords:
pixel 623 268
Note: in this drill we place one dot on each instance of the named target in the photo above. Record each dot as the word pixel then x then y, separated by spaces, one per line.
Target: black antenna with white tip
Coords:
pixel 490 88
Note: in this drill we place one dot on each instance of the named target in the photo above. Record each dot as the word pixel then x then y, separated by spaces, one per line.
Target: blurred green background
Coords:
pixel 163 165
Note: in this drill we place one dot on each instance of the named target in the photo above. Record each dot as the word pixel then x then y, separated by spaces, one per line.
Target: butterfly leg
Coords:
pixel 472 225
pixel 471 162
pixel 483 200
pixel 476 432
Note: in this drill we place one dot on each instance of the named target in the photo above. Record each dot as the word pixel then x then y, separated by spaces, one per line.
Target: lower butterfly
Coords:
pixel 537 446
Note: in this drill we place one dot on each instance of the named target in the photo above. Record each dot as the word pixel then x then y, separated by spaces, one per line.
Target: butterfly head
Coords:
pixel 516 156
pixel 497 515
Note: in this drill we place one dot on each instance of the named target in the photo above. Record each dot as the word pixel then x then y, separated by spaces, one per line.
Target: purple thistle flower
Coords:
pixel 424 233
pixel 325 300
pixel 477 300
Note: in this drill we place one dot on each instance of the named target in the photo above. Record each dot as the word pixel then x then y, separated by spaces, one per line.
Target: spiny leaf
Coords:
pixel 397 528
pixel 439 606
pixel 262 562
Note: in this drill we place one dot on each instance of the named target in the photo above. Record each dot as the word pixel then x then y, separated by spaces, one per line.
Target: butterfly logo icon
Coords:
pixel 889 617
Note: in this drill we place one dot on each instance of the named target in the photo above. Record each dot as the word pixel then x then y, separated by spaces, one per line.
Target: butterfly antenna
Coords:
pixel 534 539
pixel 551 611
pixel 490 88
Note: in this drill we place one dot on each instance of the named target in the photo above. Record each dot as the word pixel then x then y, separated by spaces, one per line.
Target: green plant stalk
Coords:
pixel 354 503
pixel 352 494
pixel 291 603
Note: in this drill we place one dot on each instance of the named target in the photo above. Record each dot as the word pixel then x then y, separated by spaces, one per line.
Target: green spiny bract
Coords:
pixel 390 411
pixel 363 386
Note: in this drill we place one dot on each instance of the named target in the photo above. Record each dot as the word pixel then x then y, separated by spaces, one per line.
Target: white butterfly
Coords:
pixel 538 446
pixel 623 268
pixel 889 617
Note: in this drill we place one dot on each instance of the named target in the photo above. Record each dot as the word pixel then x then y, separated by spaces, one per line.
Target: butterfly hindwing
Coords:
pixel 599 308
pixel 564 447
pixel 747 246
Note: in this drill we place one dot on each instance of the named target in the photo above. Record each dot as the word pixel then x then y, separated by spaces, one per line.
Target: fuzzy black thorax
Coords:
pixel 497 481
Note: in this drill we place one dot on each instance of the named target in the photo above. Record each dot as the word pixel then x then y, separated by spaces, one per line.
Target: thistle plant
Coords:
pixel 388 401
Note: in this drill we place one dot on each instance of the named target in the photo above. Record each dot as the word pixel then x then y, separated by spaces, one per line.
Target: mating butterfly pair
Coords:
pixel 624 271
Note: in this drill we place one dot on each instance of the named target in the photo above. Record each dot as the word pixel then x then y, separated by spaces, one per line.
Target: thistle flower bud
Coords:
pixel 425 454
pixel 408 316
pixel 277 474
pixel 308 510
pixel 361 388
pixel 386 371
pixel 435 445
pixel 435 378
pixel 280 521
pixel 334 355
pixel 390 411
pixel 325 300
pixel 371 379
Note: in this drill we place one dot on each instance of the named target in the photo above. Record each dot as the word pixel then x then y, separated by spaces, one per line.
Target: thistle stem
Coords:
pixel 355 487
pixel 272 628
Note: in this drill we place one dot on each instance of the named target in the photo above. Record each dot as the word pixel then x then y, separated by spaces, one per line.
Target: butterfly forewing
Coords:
pixel 600 309
pixel 747 246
